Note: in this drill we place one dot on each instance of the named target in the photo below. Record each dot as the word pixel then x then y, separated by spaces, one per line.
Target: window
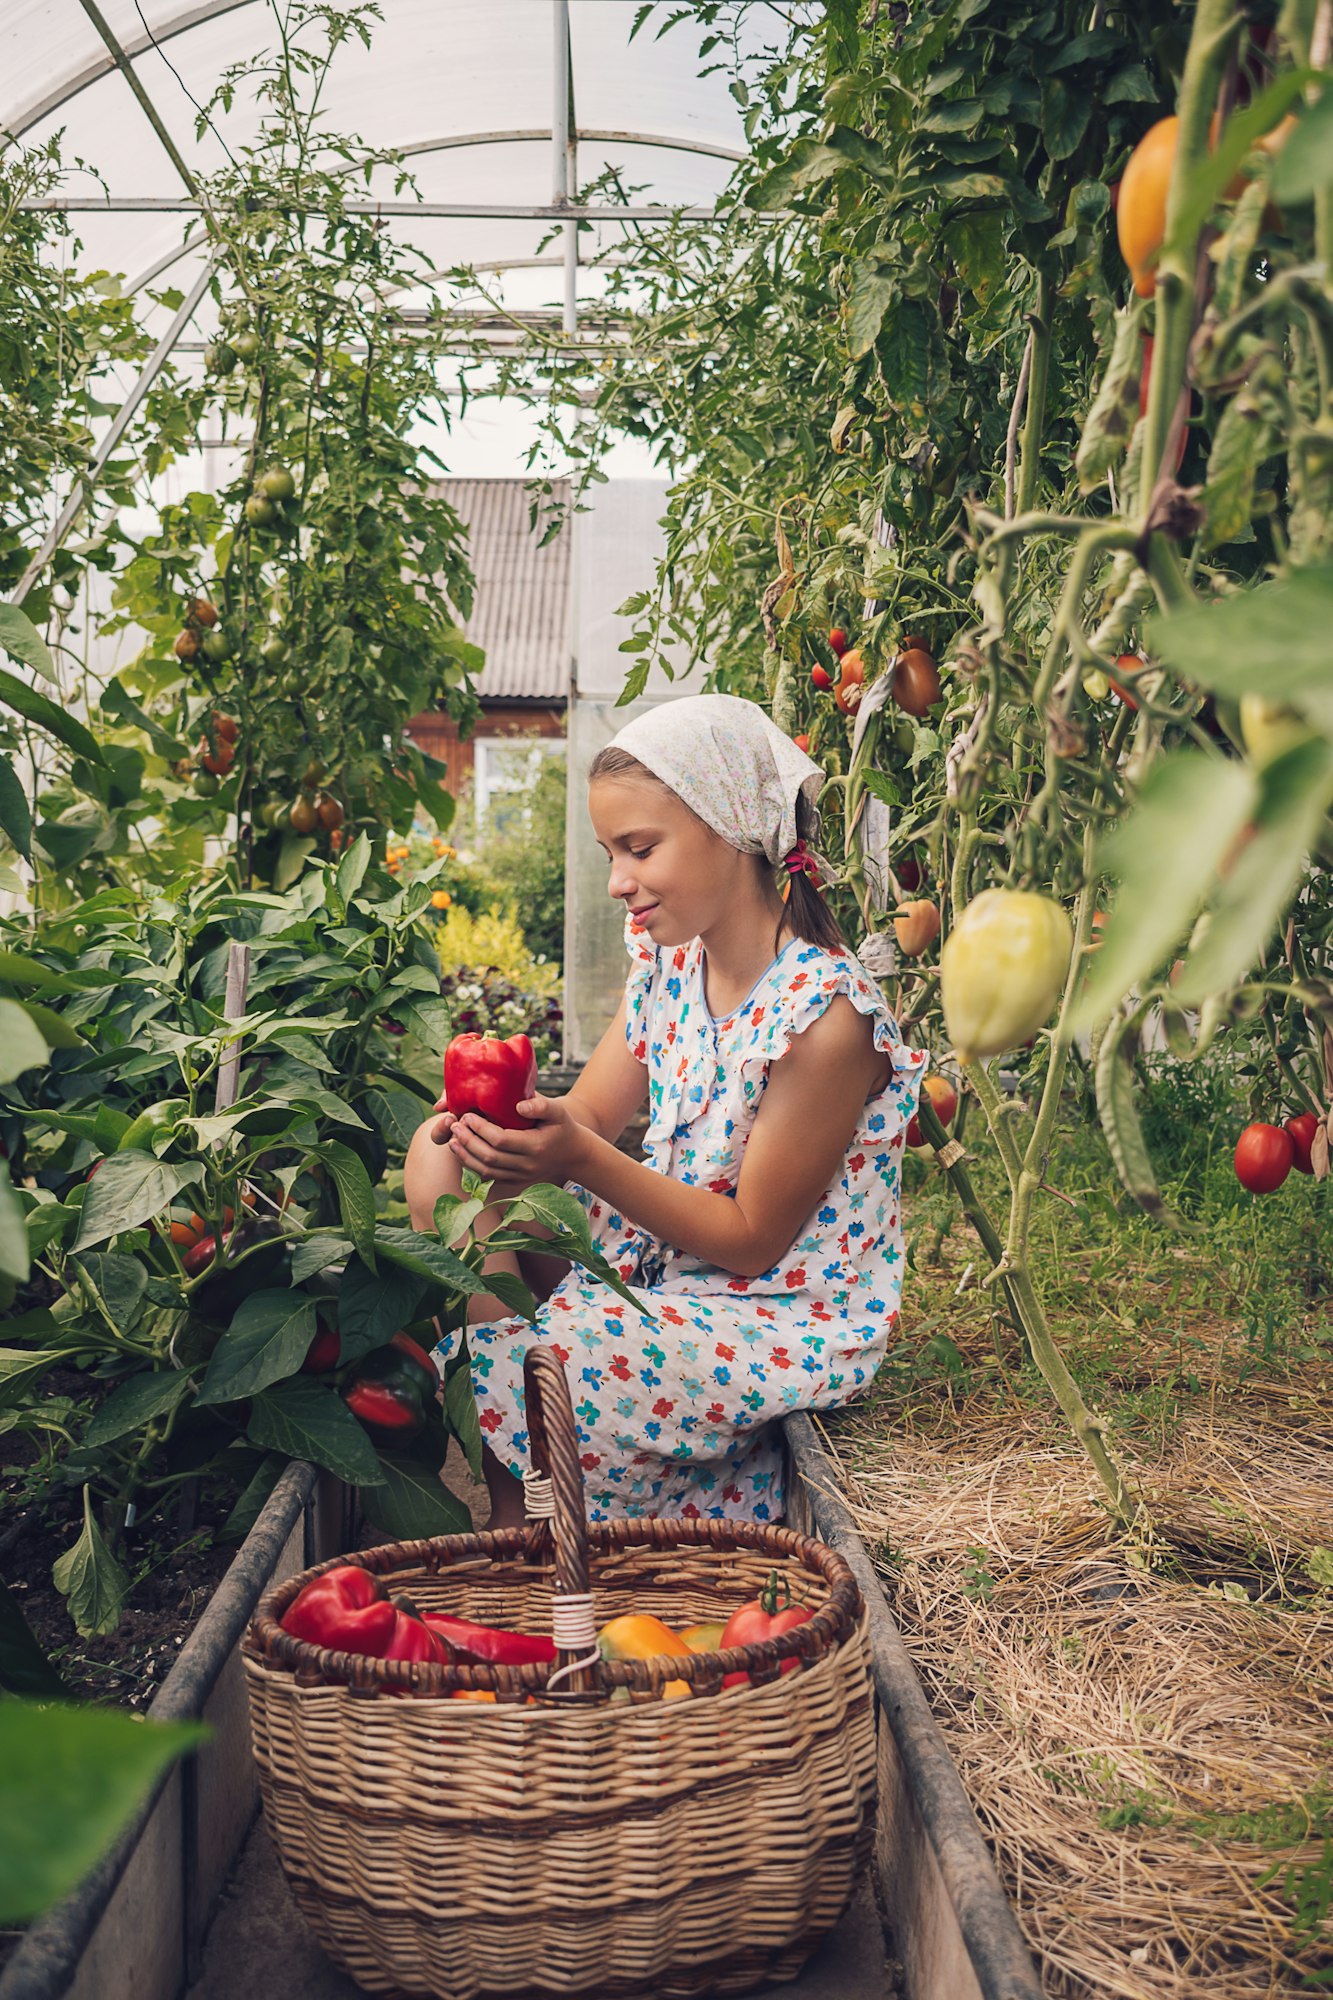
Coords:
pixel 504 773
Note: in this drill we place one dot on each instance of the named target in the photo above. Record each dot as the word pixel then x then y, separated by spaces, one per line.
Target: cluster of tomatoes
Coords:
pixel 200 636
pixel 396 855
pixel 273 490
pixel 916 678
pixel 1266 1154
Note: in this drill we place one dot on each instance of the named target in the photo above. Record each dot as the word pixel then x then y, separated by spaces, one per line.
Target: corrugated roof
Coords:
pixel 521 615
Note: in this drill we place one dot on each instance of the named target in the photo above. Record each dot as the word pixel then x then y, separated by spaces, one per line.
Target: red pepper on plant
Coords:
pixel 393 1389
pixel 764 1617
pixel 491 1077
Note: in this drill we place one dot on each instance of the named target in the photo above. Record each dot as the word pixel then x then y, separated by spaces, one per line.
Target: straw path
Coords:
pixel 1139 1747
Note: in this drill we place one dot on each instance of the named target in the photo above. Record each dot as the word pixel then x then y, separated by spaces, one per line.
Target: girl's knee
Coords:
pixel 428 1172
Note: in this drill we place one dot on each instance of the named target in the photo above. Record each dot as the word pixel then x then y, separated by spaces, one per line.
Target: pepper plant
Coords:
pixel 911 399
pixel 215 1265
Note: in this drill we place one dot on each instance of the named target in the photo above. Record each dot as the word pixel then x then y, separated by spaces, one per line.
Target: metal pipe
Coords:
pixel 442 211
pixel 146 105
pixel 120 423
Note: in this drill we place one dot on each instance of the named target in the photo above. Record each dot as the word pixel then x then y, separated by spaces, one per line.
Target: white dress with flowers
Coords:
pixel 676 1418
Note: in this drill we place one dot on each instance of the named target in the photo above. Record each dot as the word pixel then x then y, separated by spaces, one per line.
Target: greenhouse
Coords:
pixel 666 971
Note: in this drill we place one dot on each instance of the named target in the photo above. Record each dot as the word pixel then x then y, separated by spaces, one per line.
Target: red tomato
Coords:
pixel 1301 1130
pixel 822 678
pixel 1127 665
pixel 838 641
pixel 802 743
pixel 1265 1155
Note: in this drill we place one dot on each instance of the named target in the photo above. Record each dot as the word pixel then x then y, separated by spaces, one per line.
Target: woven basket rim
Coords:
pixel 804 1644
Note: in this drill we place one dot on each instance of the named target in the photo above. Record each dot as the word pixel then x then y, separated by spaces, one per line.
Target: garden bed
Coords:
pixel 1143 1726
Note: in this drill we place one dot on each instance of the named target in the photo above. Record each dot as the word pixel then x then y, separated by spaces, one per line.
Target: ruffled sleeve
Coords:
pixel 803 983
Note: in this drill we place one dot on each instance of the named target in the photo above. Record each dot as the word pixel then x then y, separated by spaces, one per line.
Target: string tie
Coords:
pixel 801 862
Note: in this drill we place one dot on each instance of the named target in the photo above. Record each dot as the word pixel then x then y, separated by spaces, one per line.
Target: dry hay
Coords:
pixel 1115 1726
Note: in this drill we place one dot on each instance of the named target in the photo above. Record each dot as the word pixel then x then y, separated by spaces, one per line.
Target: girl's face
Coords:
pixel 674 875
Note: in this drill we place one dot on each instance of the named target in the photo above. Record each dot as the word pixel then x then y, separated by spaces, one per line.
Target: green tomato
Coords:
pixel 215 646
pixel 273 813
pixel 273 651
pixel 260 512
pixel 1001 970
pixel 219 357
pixel 205 784
pixel 247 345
pixel 277 483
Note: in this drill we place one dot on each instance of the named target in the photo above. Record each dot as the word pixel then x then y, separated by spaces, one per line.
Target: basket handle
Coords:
pixel 554 1448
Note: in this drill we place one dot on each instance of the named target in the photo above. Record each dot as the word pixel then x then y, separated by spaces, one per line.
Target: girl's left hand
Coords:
pixel 553 1149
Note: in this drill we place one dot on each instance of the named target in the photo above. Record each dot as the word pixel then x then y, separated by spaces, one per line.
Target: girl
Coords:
pixel 763 1232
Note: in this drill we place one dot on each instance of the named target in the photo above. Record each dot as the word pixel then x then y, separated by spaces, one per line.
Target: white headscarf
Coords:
pixel 731 765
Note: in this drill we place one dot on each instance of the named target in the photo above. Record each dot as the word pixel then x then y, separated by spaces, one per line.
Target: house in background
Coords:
pixel 521 621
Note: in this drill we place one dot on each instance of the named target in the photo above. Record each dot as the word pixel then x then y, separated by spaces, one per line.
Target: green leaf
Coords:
pixel 19 1369
pixel 460 1406
pixel 135 1403
pixel 55 1029
pixel 398 1115
pixel 70 1778
pixel 454 1216
pixel 1243 440
pixel 129 1189
pixel 15 1255
pixel 351 871
pixel 430 1260
pixel 1305 165
pixel 266 1342
pixel 1115 410
pixel 57 722
pixel 22 1043
pixel 1114 1083
pixel 115 1284
pixel 304 1419
pixel 870 298
pixel 18 970
pixel 316 1252
pixel 117 703
pixel 254 1498
pixel 22 641
pixel 15 812
pixel 1166 856
pixel 373 1307
pixel 90 1579
pixel 411 1503
pixel 24 1667
pixel 1284 624
pixel 356 1196
pixel 1297 790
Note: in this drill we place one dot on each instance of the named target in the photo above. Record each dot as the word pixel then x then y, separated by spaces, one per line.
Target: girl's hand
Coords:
pixel 554 1149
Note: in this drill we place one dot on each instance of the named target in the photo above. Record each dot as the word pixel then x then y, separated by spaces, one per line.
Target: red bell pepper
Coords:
pixel 393 1388
pixel 764 1617
pixel 491 1077
pixel 324 1352
pixel 346 1611
pixel 490 1642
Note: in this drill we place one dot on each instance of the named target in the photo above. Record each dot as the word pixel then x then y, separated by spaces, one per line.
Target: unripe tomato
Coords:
pixel 1002 969
pixel 260 512
pixel 1265 1155
pixel 276 483
pixel 1268 729
pixel 1127 665
pixel 246 345
pixel 945 1100
pixel 917 928
pixel 219 357
pixel 303 817
pixel 273 652
pixel 216 646
pixel 916 682
pixel 851 683
pixel 1301 1130
pixel 1095 684
pixel 187 645
pixel 202 612
pixel 838 641
pixel 822 679
pixel 313 776
pixel 205 784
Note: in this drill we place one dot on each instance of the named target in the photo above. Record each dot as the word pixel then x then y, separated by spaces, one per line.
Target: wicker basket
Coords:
pixel 586 1838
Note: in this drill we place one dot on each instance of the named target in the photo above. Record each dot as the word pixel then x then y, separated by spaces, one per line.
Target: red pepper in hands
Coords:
pixel 489 1642
pixel 491 1077
pixel 764 1617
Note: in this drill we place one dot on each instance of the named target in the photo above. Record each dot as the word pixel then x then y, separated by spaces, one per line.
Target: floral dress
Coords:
pixel 677 1418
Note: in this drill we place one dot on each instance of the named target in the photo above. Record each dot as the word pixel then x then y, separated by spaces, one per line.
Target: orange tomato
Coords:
pixel 917 927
